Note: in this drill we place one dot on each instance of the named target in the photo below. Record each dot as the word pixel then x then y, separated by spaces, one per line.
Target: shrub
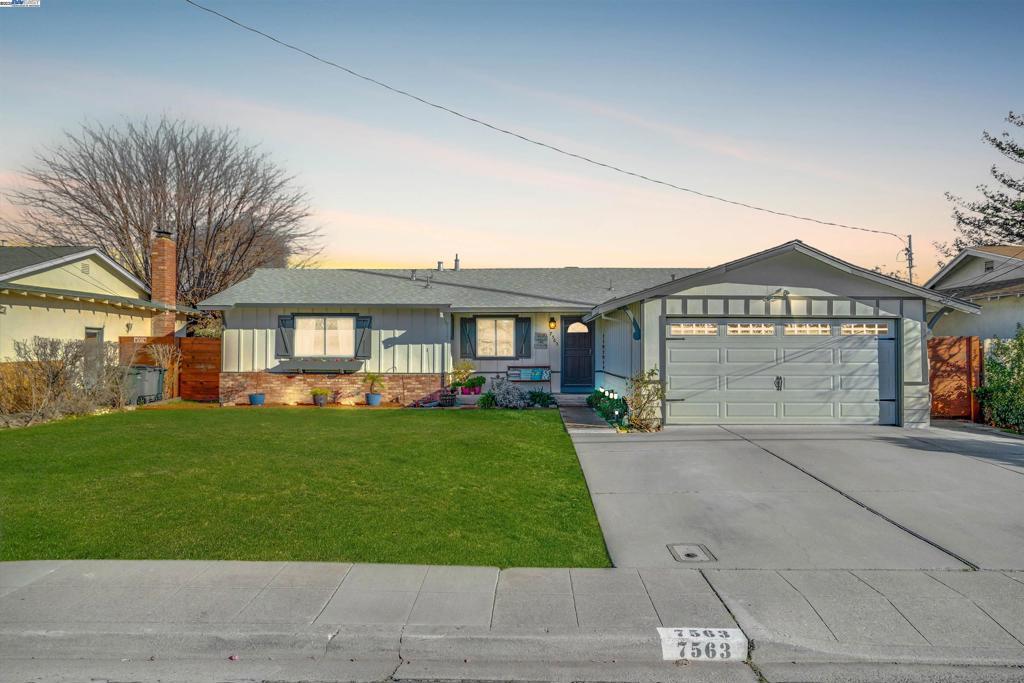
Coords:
pixel 486 401
pixel 509 395
pixel 644 397
pixel 167 356
pixel 612 409
pixel 460 373
pixel 1002 396
pixel 594 399
pixel 320 391
pixel 477 381
pixel 52 378
pixel 208 327
pixel 541 399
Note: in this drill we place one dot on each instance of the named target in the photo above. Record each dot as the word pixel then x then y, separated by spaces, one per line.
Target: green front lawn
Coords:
pixel 441 487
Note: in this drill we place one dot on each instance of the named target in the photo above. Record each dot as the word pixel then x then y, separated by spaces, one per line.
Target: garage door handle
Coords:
pixel 778 383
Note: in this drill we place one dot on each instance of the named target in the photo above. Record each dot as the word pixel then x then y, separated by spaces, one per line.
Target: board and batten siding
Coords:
pixel 618 355
pixel 550 356
pixel 403 340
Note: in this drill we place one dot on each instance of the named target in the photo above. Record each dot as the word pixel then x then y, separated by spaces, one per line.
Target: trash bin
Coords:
pixel 145 384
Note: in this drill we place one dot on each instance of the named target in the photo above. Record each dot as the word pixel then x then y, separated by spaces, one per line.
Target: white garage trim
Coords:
pixel 738 371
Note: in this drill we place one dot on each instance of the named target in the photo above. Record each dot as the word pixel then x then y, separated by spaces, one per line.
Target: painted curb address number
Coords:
pixel 703 644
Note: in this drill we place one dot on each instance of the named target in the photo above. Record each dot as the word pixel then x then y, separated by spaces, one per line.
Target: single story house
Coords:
pixel 991 277
pixel 787 335
pixel 80 293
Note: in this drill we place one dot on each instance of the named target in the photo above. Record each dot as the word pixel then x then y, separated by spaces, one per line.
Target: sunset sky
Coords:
pixel 862 113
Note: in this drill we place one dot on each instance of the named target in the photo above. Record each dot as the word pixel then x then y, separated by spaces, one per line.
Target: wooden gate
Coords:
pixel 198 377
pixel 200 369
pixel 954 371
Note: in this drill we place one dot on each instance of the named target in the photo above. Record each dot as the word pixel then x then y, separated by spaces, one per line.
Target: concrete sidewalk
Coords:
pixel 178 620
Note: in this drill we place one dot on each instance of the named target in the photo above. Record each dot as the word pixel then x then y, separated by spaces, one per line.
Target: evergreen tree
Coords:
pixel 998 216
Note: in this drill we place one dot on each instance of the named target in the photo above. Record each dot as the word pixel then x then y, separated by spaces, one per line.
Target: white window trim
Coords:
pixel 495 319
pixel 324 317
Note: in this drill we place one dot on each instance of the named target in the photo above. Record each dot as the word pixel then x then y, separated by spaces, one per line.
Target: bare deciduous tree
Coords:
pixel 231 208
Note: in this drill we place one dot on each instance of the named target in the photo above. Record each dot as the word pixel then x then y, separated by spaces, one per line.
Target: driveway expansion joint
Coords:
pixel 972 566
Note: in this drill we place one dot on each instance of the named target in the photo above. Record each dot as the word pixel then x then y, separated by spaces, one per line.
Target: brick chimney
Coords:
pixel 163 265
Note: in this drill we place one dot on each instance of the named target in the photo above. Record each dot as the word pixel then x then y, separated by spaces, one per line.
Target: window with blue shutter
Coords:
pixel 467 345
pixel 524 346
pixel 364 336
pixel 284 341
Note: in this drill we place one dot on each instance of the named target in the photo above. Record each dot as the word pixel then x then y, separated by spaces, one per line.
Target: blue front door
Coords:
pixel 577 354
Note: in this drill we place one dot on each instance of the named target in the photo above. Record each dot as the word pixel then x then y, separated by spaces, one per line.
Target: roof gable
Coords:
pixel 798 265
pixel 54 267
pixel 1012 255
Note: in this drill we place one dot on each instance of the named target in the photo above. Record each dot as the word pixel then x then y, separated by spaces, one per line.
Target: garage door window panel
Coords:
pixel 807 330
pixel 865 329
pixel 693 330
pixel 750 329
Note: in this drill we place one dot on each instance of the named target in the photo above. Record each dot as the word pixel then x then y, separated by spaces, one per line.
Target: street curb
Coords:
pixel 375 652
pixel 773 650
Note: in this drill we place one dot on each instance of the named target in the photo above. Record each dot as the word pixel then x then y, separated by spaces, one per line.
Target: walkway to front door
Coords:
pixel 577 355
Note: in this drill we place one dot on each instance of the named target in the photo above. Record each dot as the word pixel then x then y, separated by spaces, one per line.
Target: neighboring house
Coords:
pixel 80 293
pixel 991 277
pixel 788 335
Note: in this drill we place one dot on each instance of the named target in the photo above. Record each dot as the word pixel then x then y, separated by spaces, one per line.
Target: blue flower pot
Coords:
pixel 373 399
pixel 257 399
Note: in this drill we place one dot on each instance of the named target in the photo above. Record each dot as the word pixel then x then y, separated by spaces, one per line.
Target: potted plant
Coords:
pixel 474 384
pixel 374 382
pixel 461 373
pixel 320 396
pixel 257 398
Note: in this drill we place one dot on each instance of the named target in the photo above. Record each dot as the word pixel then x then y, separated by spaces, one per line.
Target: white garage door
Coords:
pixel 780 371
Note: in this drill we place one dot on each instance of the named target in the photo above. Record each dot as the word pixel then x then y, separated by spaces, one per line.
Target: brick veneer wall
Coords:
pixel 235 387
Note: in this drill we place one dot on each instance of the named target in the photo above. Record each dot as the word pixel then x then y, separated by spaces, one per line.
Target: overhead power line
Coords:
pixel 534 141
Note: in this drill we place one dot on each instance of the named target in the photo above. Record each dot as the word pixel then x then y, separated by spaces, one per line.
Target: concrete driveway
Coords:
pixel 767 497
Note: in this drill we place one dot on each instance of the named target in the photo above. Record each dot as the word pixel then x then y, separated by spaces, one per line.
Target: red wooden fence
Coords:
pixel 954 372
pixel 198 377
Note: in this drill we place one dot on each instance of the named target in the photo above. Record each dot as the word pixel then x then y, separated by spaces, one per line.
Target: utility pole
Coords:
pixel 910 258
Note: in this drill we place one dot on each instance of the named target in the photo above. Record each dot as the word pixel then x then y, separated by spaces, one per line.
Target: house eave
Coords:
pixel 695 279
pixel 74 296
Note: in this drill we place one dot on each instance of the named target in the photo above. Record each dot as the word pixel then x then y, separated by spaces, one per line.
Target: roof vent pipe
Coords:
pixel 457 264
pixel 440 265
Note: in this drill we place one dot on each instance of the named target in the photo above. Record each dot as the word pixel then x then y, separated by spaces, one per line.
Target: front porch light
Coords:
pixel 552 323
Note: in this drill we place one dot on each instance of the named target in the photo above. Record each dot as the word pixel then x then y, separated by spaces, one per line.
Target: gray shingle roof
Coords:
pixel 16 258
pixel 469 288
pixel 986 289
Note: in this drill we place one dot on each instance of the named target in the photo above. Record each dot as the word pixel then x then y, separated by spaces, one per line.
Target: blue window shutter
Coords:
pixel 364 337
pixel 468 346
pixel 524 347
pixel 285 340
